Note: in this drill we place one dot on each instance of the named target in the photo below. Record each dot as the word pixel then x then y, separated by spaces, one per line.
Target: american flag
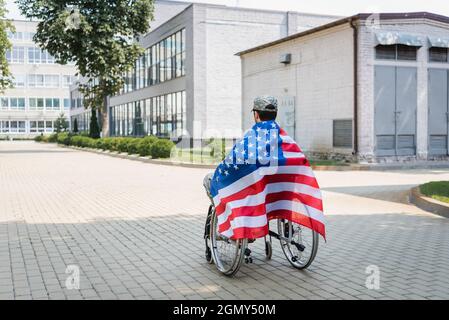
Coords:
pixel 265 176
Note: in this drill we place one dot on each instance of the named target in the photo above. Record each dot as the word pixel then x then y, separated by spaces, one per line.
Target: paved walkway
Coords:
pixel 135 231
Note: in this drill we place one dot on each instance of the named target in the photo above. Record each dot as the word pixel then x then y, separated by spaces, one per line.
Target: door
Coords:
pixel 438 112
pixel 395 104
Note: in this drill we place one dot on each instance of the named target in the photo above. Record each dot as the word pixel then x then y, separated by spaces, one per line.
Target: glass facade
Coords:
pixel 158 116
pixel 161 62
pixel 83 121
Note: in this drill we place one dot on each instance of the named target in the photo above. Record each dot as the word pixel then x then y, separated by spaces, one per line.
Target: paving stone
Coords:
pixel 135 232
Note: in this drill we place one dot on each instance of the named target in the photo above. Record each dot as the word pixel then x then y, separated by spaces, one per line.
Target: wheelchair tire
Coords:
pixel 227 254
pixel 299 244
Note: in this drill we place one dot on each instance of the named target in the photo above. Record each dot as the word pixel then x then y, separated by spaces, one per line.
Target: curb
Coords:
pixel 428 204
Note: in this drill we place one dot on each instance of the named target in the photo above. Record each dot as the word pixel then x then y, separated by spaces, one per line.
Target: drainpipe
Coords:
pixel 356 104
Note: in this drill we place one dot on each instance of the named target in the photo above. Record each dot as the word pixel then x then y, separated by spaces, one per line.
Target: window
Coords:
pixel 36 103
pixel 15 35
pixel 34 55
pixel 38 56
pixel 40 126
pixel 33 126
pixel 52 104
pixel 36 80
pixel 4 103
pixel 13 126
pixel 66 103
pixel 342 133
pixel 51 81
pixel 17 103
pixel 48 126
pixel 19 81
pixel 396 52
pixel 67 81
pixel 17 55
pixel 4 126
pixel 438 54
pixel 43 81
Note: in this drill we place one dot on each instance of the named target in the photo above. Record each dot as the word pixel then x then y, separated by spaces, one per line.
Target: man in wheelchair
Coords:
pixel 265 177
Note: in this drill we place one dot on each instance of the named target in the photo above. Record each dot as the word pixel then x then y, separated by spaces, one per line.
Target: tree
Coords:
pixel 61 123
pixel 5 45
pixel 75 126
pixel 94 128
pixel 97 35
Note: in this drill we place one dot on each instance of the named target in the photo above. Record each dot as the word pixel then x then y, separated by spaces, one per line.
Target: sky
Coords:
pixel 333 7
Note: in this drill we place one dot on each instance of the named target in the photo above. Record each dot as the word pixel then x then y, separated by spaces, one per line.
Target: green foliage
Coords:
pixel 147 146
pixel 162 148
pixel 438 190
pixel 94 129
pixel 61 123
pixel 53 138
pixel 5 45
pixel 217 148
pixel 75 126
pixel 96 35
pixel 122 145
pixel 144 147
pixel 64 138
pixel 133 146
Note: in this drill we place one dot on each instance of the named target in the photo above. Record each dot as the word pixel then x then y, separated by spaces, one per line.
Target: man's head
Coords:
pixel 265 108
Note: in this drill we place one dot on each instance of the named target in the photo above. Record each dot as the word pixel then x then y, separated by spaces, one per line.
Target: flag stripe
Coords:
pixel 258 175
pixel 260 186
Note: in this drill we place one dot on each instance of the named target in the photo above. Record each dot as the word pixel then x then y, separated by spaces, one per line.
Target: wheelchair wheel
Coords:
pixel 227 254
pixel 299 244
pixel 208 252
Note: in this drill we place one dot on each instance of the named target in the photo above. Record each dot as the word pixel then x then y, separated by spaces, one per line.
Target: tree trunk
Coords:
pixel 105 118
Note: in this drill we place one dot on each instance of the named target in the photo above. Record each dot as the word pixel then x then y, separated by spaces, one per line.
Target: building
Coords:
pixel 41 87
pixel 188 80
pixel 373 86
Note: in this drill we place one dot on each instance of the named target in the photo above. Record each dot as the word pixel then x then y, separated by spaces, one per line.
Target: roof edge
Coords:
pixel 360 16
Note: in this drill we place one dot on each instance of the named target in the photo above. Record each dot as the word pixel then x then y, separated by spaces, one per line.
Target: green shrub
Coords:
pixel 38 138
pixel 144 145
pixel 53 138
pixel 64 138
pixel 133 146
pixel 99 144
pixel 44 138
pixel 122 144
pixel 83 142
pixel 162 148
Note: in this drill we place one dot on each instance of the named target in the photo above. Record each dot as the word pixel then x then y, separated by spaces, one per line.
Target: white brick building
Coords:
pixel 41 87
pixel 396 65
pixel 189 77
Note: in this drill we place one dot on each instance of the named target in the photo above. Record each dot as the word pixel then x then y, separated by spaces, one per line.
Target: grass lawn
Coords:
pixel 438 190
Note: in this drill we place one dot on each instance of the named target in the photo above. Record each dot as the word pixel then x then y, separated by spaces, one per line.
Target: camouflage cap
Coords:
pixel 265 103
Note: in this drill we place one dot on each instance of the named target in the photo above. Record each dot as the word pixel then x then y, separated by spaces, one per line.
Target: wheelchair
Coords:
pixel 299 244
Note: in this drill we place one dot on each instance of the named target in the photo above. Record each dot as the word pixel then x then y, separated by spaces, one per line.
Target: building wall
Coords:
pixel 367 43
pixel 212 83
pixel 319 77
pixel 227 31
pixel 27 92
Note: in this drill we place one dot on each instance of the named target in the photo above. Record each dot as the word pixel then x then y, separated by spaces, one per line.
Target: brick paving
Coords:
pixel 135 232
